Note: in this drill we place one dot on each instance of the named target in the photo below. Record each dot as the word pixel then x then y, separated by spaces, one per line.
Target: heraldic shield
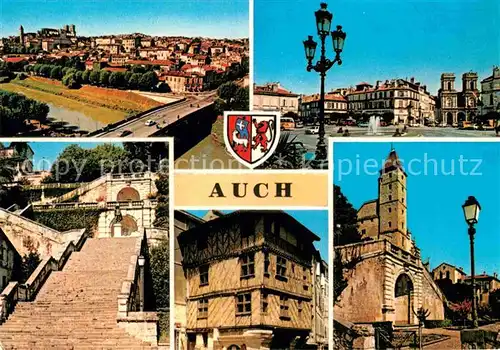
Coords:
pixel 251 137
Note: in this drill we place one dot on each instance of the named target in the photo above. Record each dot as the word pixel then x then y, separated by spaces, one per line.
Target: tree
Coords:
pixel 388 117
pixel 104 78
pixel 29 265
pixel 133 82
pixel 495 303
pixel 86 77
pixel 148 81
pixel 231 97
pixel 117 80
pixel 94 77
pixel 289 154
pixel 45 70
pixel 70 81
pixel 462 309
pixel 345 220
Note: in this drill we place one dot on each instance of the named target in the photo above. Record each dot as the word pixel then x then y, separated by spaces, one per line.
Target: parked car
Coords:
pixel 312 130
pixel 125 133
pixel 149 122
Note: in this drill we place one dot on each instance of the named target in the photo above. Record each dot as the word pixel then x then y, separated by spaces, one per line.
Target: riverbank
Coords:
pixel 101 104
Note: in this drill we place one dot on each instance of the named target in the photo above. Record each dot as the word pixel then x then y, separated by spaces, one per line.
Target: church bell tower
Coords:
pixel 392 203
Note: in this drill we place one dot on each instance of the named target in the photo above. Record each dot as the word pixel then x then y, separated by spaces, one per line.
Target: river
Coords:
pixel 73 118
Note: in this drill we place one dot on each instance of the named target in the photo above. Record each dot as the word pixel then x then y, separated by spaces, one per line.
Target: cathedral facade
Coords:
pixel 389 282
pixel 458 106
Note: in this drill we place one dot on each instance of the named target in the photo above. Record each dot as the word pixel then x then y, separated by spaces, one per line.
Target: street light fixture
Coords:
pixel 141 261
pixel 471 209
pixel 323 25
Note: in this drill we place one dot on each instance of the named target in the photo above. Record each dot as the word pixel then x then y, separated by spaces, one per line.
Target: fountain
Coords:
pixel 373 126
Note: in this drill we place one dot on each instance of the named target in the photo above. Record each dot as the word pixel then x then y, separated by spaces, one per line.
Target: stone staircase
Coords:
pixel 77 307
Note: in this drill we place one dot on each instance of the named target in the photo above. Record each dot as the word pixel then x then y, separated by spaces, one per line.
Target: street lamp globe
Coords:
pixel 310 48
pixel 323 20
pixel 471 209
pixel 141 261
pixel 338 37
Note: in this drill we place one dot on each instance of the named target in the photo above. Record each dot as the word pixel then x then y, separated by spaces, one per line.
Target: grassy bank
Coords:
pixel 210 153
pixel 102 104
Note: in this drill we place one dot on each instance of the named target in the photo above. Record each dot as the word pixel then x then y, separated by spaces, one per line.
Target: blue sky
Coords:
pixel 385 39
pixel 46 152
pixel 435 215
pixel 214 18
pixel 314 220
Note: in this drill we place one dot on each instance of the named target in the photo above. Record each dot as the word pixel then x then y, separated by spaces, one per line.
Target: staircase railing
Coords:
pixel 15 291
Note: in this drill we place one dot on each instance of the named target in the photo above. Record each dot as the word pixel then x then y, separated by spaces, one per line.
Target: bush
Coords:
pixel 437 323
pixel 64 220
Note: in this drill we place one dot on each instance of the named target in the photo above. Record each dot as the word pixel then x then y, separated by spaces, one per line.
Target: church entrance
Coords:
pixel 403 299
pixel 449 118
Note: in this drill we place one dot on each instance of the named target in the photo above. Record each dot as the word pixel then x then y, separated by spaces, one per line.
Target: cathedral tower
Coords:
pixel 392 203
pixel 21 35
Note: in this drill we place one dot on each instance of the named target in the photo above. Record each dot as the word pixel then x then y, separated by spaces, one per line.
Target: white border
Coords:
pixel 277 133
pixel 331 178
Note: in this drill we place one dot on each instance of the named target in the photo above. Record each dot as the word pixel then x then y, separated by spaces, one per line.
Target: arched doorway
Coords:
pixel 129 226
pixel 403 293
pixel 449 118
pixel 128 194
pixel 233 347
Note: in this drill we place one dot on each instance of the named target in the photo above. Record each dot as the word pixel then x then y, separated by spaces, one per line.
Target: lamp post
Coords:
pixel 141 262
pixel 323 24
pixel 471 210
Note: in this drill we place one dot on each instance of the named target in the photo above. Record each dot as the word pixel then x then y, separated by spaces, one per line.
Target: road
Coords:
pixel 311 140
pixel 163 116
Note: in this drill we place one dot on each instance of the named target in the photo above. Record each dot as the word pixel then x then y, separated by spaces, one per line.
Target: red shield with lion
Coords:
pixel 251 137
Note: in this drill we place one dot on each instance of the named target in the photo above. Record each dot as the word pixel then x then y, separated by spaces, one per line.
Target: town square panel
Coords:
pixel 403 232
pixel 84 240
pixel 349 69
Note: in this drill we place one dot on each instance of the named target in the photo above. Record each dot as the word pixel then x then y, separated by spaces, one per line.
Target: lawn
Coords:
pixel 102 104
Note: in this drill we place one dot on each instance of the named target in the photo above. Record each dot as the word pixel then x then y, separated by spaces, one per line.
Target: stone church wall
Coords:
pixel 363 298
pixel 432 298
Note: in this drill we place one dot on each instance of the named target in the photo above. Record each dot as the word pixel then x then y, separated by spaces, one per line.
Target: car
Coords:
pixel 125 133
pixel 312 130
pixel 149 122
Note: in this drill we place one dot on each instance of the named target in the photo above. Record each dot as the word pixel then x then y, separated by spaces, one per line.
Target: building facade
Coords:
pixel 335 107
pixel 456 107
pixel 447 271
pixel 490 92
pixel 250 282
pixel 273 97
pixel 402 101
pixel 9 260
pixel 390 280
pixel 485 285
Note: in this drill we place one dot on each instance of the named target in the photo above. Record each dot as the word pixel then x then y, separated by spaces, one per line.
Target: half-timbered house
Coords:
pixel 249 280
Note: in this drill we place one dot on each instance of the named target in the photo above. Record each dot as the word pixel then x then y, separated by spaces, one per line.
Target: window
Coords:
pixel 390 224
pixel 264 303
pixel 448 274
pixel 203 308
pixel 244 304
pixel 304 274
pixel 267 262
pixel 390 186
pixel 441 275
pixel 284 307
pixel 203 275
pixel 248 265
pixel 390 197
pixel 363 231
pixel 299 306
pixel 390 210
pixel 280 267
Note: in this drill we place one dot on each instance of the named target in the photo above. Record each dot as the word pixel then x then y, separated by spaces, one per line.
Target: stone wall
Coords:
pixel 27 235
pixel 433 297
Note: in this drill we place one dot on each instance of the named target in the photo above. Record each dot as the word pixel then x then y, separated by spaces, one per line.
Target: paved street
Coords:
pixel 169 114
pixel 311 140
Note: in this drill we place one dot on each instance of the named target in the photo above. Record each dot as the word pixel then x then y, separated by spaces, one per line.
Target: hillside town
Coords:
pixel 397 101
pixel 185 64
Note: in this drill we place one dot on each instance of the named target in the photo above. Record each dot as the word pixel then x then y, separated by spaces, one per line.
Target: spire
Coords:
pixel 392 162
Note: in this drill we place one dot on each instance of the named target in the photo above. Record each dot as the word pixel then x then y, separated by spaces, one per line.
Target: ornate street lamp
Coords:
pixel 141 261
pixel 471 210
pixel 323 25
